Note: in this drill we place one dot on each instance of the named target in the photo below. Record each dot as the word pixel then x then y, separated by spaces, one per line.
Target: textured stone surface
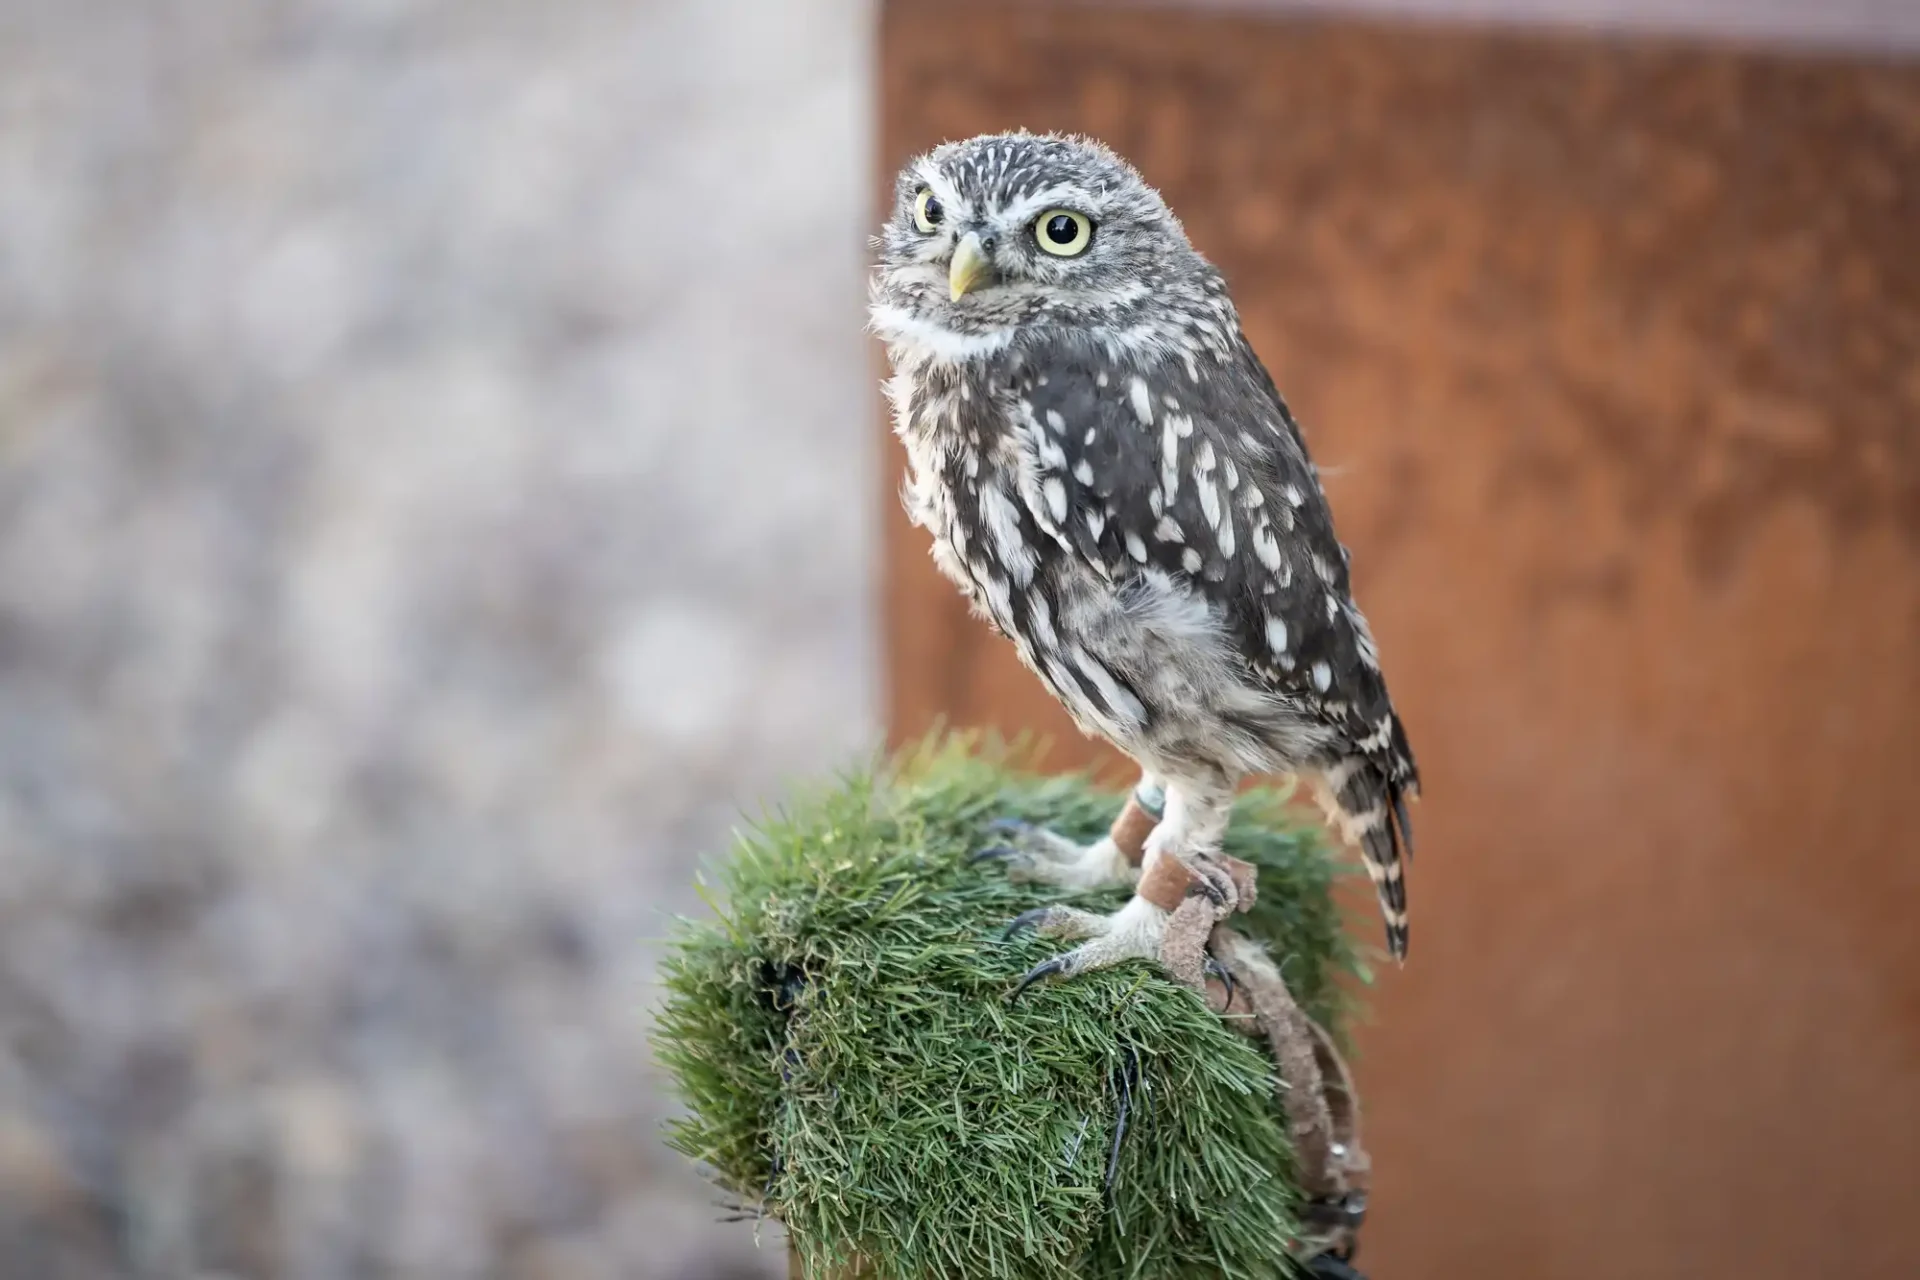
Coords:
pixel 435 490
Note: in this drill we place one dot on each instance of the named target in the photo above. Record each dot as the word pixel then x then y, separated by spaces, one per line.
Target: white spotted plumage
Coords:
pixel 1109 474
pixel 1140 398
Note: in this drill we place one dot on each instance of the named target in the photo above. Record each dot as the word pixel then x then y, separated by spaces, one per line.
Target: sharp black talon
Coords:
pixel 1225 975
pixel 1209 890
pixel 1331 1266
pixel 1024 921
pixel 1056 967
pixel 991 853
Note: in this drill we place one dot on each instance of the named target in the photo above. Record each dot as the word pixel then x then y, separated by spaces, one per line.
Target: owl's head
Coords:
pixel 1004 231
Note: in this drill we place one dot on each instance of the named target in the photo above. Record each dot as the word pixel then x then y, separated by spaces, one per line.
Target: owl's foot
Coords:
pixel 1169 921
pixel 1134 932
pixel 1036 854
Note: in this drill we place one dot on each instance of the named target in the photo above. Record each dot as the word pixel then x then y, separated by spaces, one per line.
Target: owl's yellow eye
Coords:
pixel 927 213
pixel 1063 233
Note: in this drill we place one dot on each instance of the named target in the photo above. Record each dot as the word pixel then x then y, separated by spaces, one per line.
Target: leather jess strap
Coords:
pixel 1323 1113
pixel 1316 1091
pixel 1316 1088
pixel 1131 828
pixel 1167 883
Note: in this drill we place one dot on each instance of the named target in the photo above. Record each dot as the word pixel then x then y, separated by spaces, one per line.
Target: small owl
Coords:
pixel 1111 479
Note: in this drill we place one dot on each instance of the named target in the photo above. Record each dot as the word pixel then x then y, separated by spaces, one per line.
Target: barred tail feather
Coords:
pixel 1368 806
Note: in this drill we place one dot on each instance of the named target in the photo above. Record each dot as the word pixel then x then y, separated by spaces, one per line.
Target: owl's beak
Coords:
pixel 970 266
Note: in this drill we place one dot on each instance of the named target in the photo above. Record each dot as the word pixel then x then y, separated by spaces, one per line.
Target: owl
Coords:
pixel 1111 479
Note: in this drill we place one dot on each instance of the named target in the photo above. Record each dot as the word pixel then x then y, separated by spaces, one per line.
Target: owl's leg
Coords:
pixel 1182 851
pixel 1034 853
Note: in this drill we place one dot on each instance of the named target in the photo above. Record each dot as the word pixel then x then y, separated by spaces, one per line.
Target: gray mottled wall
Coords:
pixel 435 493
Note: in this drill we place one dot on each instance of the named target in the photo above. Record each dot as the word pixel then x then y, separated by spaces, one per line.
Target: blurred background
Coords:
pixel 438 491
pixel 442 484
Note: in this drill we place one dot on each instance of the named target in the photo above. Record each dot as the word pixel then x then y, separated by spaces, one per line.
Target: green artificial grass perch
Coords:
pixel 850 1063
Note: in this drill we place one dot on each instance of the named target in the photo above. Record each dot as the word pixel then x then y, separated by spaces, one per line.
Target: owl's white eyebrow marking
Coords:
pixel 1032 205
pixel 958 206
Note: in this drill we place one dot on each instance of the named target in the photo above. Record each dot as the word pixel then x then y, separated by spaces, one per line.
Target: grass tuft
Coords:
pixel 849 1064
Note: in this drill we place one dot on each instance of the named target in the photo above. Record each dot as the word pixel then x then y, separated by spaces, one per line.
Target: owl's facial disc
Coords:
pixel 1016 232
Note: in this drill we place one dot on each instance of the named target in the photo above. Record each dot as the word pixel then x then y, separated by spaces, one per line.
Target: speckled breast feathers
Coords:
pixel 1110 476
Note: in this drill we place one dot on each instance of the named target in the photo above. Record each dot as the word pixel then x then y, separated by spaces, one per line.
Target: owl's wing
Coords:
pixel 1199 470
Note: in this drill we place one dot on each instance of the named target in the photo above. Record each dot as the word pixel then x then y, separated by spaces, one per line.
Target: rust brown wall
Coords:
pixel 1612 349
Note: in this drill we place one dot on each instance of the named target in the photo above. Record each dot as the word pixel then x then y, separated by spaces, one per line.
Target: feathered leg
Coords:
pixel 1189 833
pixel 1034 853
